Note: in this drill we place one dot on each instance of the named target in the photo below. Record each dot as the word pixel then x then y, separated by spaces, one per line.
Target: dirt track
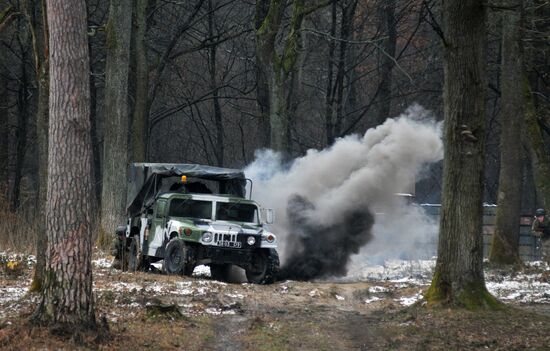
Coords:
pixel 157 312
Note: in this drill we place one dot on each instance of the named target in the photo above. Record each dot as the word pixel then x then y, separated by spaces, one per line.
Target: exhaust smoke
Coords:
pixel 326 201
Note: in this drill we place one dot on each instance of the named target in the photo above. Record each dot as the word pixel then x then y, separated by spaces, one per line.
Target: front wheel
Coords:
pixel 175 257
pixel 264 268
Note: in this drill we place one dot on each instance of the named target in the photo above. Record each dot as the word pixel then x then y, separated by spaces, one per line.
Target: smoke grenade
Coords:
pixel 326 200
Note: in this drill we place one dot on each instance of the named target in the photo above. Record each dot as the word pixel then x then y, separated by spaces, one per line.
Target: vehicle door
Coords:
pixel 156 235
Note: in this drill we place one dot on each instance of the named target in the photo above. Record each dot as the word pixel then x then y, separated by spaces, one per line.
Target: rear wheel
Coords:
pixel 175 257
pixel 265 267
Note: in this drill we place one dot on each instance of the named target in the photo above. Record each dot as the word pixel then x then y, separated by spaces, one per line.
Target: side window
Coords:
pixel 161 207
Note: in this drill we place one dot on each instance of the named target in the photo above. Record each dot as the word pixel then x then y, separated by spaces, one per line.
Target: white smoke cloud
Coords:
pixel 354 173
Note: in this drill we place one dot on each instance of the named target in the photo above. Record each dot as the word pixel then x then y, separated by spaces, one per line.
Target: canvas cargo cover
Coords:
pixel 145 180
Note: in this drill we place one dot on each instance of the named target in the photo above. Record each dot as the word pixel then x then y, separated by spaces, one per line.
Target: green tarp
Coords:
pixel 145 181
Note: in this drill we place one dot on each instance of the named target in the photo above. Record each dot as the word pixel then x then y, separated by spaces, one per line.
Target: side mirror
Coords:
pixel 268 215
pixel 150 211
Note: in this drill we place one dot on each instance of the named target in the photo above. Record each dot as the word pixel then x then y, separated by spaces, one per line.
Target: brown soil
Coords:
pixel 146 311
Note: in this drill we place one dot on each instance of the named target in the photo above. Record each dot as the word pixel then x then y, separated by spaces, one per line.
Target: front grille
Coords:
pixel 226 240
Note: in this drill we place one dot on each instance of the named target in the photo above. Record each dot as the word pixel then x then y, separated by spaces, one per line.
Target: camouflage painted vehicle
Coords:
pixel 188 215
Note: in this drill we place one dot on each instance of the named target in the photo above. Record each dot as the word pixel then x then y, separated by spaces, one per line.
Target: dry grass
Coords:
pixel 18 230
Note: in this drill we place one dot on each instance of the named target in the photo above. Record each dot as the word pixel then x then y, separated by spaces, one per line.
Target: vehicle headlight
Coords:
pixel 270 238
pixel 206 237
pixel 251 240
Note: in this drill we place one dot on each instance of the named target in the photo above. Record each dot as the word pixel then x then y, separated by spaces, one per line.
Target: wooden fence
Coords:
pixel 528 244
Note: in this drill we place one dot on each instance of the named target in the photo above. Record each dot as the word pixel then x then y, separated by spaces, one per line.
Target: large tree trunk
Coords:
pixel 42 67
pixel 505 246
pixel 388 26
pixel 115 140
pixel 141 106
pixel 279 67
pixel 458 278
pixel 67 295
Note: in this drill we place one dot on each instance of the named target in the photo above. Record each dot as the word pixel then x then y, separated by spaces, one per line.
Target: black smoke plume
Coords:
pixel 321 251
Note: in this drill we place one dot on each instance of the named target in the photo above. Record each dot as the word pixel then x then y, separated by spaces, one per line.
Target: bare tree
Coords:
pixel 458 278
pixel 115 140
pixel 23 111
pixel 4 131
pixel 387 52
pixel 67 294
pixel 280 66
pixel 505 245
pixel 39 31
pixel 539 156
pixel 142 102
pixel 536 90
pixel 212 68
pixel 334 96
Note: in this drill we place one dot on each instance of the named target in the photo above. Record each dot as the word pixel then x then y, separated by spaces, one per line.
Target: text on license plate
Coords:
pixel 230 244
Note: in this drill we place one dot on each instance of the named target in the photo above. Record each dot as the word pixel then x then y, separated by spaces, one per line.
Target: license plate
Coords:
pixel 230 244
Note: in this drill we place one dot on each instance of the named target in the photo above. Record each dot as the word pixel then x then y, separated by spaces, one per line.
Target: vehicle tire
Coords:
pixel 265 267
pixel 175 257
pixel 220 272
pixel 134 255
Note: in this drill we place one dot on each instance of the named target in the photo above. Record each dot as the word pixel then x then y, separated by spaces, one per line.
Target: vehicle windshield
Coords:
pixel 190 208
pixel 234 211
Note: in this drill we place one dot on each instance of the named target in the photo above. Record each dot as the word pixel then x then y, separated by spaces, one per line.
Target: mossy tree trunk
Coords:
pixel 115 140
pixel 279 66
pixel 458 278
pixel 505 245
pixel 67 294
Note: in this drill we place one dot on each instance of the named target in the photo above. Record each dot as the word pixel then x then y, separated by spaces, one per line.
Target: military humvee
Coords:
pixel 188 215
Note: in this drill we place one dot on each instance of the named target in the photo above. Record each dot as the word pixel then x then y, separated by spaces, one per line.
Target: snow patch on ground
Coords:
pixel 372 299
pixel 201 271
pixel 414 272
pixel 530 286
pixel 410 300
pixel 9 294
pixel 9 299
pixel 102 263
pixel 522 288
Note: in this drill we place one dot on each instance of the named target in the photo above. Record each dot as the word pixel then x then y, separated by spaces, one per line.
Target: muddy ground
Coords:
pixel 381 311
